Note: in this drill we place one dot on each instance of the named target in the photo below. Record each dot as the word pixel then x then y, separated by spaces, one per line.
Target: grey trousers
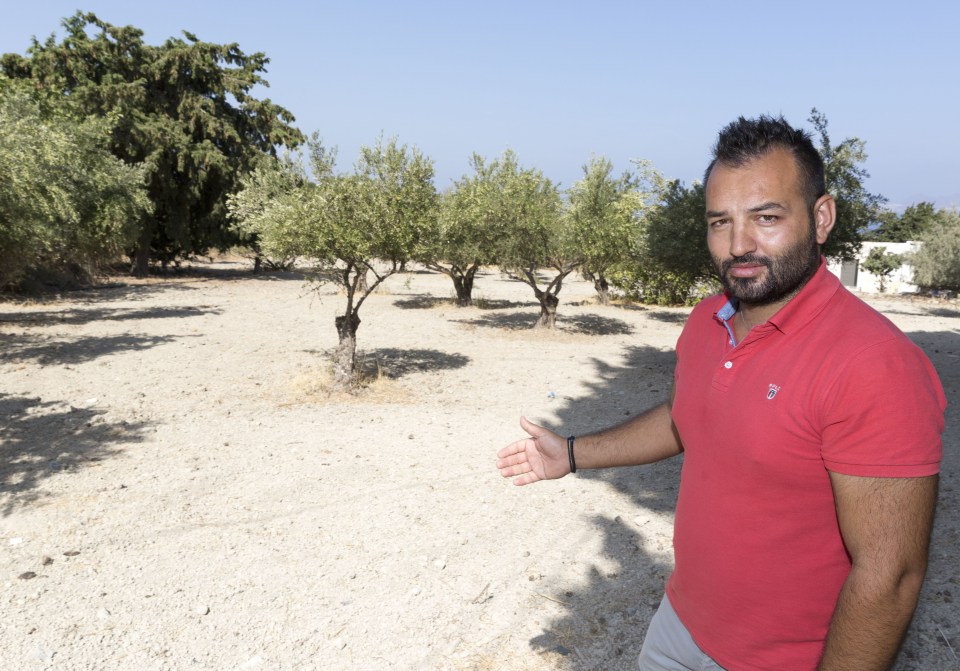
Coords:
pixel 669 646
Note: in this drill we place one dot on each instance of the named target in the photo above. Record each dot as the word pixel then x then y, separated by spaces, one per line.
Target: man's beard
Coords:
pixel 785 276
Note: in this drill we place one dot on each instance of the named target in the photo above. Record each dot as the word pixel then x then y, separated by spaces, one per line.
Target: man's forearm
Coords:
pixel 869 622
pixel 646 438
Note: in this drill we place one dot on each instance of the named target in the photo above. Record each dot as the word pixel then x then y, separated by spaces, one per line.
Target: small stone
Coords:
pixel 47 561
pixel 71 553
pixel 440 564
pixel 202 609
pixel 28 575
pixel 414 592
pixel 42 655
pixel 254 662
pixel 102 613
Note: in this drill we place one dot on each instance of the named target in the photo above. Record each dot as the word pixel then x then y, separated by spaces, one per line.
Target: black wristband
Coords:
pixel 573 462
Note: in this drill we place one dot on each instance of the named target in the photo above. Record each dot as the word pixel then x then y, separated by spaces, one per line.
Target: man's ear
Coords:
pixel 824 217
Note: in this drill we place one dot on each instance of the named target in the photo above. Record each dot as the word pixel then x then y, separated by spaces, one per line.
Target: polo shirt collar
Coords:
pixel 800 309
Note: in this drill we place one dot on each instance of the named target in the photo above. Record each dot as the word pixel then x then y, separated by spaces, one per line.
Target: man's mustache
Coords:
pixel 746 260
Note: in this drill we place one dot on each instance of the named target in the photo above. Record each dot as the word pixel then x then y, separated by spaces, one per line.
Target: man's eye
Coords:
pixel 768 218
pixel 717 223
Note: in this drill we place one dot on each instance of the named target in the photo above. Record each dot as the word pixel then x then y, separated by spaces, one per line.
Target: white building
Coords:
pixel 853 275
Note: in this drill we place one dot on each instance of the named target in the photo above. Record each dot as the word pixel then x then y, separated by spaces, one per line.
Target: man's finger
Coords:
pixel 519 469
pixel 512 460
pixel 531 428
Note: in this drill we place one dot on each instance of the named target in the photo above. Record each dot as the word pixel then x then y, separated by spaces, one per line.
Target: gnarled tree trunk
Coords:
pixel 464 286
pixel 603 289
pixel 345 356
pixel 548 310
pixel 141 257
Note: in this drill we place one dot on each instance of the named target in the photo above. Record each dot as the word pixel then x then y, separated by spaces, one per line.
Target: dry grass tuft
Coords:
pixel 372 385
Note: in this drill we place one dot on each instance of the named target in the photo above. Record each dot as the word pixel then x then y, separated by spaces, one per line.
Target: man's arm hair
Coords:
pixel 886 525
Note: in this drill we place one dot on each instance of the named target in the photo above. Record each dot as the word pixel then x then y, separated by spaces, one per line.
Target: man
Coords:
pixel 810 427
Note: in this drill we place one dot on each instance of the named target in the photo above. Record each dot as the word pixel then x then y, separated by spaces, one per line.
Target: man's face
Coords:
pixel 761 233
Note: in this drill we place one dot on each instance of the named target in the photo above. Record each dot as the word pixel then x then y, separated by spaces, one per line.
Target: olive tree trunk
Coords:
pixel 345 356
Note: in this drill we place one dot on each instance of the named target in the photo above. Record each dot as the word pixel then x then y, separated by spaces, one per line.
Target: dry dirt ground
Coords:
pixel 178 492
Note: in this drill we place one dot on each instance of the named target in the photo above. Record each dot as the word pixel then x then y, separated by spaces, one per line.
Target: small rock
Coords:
pixel 414 592
pixel 102 613
pixel 71 553
pixel 29 575
pixel 47 561
pixel 42 655
pixel 254 662
pixel 202 609
pixel 440 564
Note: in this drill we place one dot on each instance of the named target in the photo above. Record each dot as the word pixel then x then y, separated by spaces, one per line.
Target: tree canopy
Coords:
pixel 347 225
pixel 845 174
pixel 604 213
pixel 183 110
pixel 66 204
pixel 910 225
pixel 937 263
pixel 531 233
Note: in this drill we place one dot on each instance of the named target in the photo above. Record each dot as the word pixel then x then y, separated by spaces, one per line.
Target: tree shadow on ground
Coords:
pixel 76 316
pixel 923 310
pixel 422 302
pixel 669 317
pixel 47 351
pixel 936 625
pixel 523 321
pixel 594 325
pixel 40 439
pixel 396 363
pixel 606 619
pixel 426 302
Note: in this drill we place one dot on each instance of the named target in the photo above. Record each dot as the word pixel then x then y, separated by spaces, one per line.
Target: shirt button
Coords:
pixel 728 364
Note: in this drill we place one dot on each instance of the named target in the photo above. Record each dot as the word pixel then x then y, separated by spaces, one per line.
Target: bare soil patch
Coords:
pixel 180 492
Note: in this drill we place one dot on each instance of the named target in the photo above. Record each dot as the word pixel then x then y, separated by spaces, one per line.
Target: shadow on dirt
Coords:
pixel 76 316
pixel 423 302
pixel 396 363
pixel 426 302
pixel 583 324
pixel 668 317
pixel 606 619
pixel 46 351
pixel 40 439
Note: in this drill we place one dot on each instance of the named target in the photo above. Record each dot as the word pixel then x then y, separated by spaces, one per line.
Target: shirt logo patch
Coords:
pixel 772 391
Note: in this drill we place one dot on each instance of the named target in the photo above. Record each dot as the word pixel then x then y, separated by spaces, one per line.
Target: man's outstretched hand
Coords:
pixel 542 456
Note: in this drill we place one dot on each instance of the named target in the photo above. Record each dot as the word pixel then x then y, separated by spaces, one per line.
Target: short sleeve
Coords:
pixel 883 414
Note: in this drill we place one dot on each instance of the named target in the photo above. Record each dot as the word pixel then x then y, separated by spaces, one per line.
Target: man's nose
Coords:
pixel 741 240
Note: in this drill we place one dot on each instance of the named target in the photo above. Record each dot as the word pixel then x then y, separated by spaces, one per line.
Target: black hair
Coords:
pixel 747 139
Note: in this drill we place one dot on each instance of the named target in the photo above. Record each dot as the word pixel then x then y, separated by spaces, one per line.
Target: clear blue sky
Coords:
pixel 558 81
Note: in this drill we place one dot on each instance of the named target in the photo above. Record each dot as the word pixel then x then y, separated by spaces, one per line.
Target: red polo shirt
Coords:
pixel 827 384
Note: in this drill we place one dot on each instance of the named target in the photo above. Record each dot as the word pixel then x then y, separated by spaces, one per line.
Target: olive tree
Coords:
pixel 937 263
pixel 604 219
pixel 467 229
pixel 532 233
pixel 66 204
pixel 346 225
